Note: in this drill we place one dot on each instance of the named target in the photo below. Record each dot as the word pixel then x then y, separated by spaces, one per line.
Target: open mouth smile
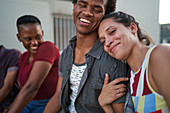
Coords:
pixel 84 21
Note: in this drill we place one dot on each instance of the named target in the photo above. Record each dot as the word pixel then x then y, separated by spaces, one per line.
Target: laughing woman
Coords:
pixel 149 73
pixel 38 67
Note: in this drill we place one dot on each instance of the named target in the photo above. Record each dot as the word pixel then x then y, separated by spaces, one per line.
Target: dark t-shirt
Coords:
pixel 8 62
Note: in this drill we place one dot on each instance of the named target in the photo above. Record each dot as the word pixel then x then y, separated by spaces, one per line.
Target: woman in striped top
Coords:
pixel 149 66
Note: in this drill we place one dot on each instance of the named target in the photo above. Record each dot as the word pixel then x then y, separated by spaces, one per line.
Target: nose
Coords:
pixel 108 42
pixel 34 42
pixel 88 12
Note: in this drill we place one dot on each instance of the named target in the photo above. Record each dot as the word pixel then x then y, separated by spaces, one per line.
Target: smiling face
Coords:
pixel 31 35
pixel 87 15
pixel 117 39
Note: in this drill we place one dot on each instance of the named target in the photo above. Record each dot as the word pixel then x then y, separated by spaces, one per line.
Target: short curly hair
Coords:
pixel 110 7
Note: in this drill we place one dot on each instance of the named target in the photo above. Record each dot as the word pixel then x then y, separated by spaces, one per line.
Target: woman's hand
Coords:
pixel 111 91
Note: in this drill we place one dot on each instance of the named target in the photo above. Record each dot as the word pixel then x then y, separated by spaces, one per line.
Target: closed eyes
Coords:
pixel 113 31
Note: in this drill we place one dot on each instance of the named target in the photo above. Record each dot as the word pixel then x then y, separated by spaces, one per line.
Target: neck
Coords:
pixel 86 41
pixel 84 44
pixel 137 56
pixel 30 58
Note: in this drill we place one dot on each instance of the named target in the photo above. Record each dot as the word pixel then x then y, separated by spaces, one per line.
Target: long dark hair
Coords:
pixel 126 20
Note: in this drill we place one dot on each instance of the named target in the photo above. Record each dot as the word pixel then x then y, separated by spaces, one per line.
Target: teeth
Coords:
pixel 33 47
pixel 84 20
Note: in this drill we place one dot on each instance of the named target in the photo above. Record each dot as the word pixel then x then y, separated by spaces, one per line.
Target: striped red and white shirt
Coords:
pixel 144 98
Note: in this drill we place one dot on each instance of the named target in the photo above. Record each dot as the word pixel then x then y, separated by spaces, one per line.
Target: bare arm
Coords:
pixel 53 105
pixel 9 82
pixel 160 71
pixel 110 92
pixel 118 107
pixel 31 87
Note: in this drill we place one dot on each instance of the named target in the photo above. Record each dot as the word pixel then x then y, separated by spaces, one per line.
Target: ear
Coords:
pixel 133 27
pixel 74 4
pixel 42 33
pixel 18 37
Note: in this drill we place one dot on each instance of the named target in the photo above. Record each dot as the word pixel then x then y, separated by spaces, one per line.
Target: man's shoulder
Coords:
pixel 12 54
pixel 107 62
pixel 69 47
pixel 66 54
pixel 12 51
pixel 107 58
pixel 66 50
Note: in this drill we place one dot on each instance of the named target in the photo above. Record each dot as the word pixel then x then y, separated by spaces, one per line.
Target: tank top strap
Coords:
pixel 148 54
pixel 147 64
pixel 141 73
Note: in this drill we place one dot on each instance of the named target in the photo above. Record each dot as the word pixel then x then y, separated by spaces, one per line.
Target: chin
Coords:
pixel 117 56
pixel 120 57
pixel 84 31
pixel 112 55
pixel 33 52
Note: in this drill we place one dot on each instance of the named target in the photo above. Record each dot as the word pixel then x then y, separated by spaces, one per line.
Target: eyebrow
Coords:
pixel 97 6
pixel 82 1
pixel 109 28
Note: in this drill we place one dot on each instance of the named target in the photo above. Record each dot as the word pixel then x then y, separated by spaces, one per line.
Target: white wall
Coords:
pixel 146 12
pixel 10 10
pixel 61 7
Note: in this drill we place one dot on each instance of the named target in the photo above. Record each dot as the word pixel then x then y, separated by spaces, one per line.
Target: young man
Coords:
pixel 84 63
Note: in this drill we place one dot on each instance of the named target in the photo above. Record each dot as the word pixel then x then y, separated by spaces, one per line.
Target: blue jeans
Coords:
pixel 35 106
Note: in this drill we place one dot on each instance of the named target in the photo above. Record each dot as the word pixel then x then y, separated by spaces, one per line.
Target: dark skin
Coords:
pixel 86 38
pixel 31 36
pixel 87 16
pixel 9 83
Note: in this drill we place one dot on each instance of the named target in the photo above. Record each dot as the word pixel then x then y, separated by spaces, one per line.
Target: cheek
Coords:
pixel 106 49
pixel 25 45
pixel 41 41
pixel 99 17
